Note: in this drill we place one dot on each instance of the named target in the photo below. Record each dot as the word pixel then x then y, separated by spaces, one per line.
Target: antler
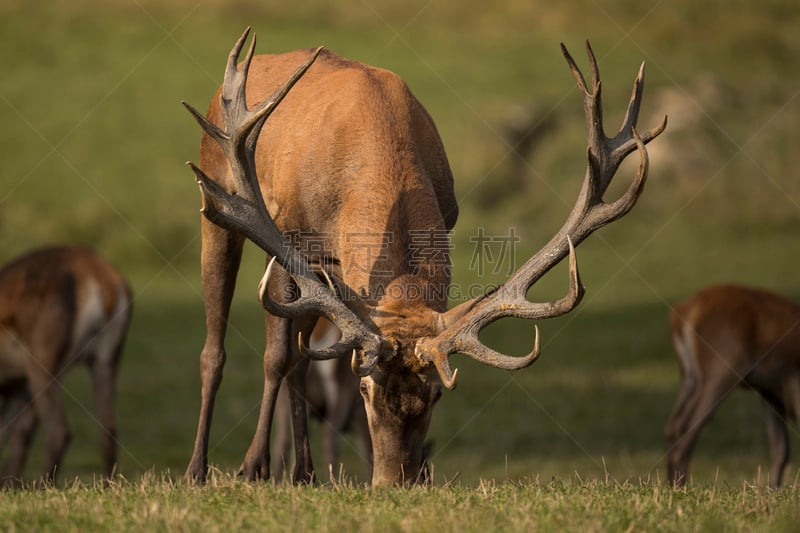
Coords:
pixel 244 210
pixel 464 322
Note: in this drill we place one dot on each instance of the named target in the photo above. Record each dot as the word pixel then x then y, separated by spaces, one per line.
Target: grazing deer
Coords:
pixel 333 398
pixel 58 307
pixel 727 336
pixel 344 182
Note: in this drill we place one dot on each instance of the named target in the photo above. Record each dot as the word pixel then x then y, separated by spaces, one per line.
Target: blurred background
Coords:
pixel 94 139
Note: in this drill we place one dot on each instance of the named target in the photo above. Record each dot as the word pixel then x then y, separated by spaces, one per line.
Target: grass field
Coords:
pixel 93 144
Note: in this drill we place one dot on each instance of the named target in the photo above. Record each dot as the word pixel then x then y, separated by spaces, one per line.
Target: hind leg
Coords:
pixel 48 403
pixel 688 385
pixel 281 442
pixel 778 436
pixel 277 358
pixel 255 465
pixel 104 378
pixel 19 425
pixel 296 384
pixel 677 421
pixel 104 366
pixel 697 413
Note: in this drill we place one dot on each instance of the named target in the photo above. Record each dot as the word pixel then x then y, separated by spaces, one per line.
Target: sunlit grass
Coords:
pixel 156 503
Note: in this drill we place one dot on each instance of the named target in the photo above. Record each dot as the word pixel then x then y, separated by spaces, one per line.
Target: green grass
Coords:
pixel 155 504
pixel 93 142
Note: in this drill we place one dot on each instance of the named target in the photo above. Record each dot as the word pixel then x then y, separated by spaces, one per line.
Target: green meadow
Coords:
pixel 93 142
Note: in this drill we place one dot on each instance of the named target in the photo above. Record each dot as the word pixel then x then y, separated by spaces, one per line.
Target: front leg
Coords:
pixel 220 258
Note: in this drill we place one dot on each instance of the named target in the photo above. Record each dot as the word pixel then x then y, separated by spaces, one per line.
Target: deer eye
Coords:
pixel 437 394
pixel 364 389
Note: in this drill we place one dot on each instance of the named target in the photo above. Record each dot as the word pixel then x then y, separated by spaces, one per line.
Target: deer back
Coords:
pixel 351 159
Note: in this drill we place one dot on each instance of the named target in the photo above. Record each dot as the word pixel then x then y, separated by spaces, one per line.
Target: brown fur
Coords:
pixel 728 336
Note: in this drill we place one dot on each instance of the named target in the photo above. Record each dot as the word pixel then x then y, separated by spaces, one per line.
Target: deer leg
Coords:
pixel 104 376
pixel 49 350
pixel 778 436
pixel 698 411
pixel 108 350
pixel 220 258
pixel 281 443
pixel 19 425
pixel 276 356
pixel 687 387
pixel 361 428
pixel 336 407
pixel 345 402
pixel 677 421
pixel 296 383
pixel 10 406
pixel 334 426
pixel 48 402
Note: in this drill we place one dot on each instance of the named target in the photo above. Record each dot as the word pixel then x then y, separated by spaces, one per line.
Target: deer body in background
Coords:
pixel 727 336
pixel 59 307
pixel 333 398
pixel 337 172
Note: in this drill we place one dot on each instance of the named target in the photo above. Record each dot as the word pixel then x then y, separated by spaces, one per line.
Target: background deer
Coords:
pixel 727 336
pixel 344 182
pixel 333 398
pixel 58 307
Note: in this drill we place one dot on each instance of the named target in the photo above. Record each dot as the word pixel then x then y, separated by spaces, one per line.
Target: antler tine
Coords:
pixel 235 81
pixel 593 64
pixel 576 72
pixel 233 55
pixel 209 127
pixel 634 104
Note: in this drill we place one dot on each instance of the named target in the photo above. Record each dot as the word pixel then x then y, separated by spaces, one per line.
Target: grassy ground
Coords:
pixel 526 505
pixel 93 144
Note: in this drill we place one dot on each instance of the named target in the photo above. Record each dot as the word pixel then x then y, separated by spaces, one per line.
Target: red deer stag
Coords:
pixel 344 182
pixel 333 398
pixel 727 336
pixel 58 307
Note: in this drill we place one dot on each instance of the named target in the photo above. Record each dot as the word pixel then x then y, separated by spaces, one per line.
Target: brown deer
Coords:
pixel 344 182
pixel 58 307
pixel 333 398
pixel 727 336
